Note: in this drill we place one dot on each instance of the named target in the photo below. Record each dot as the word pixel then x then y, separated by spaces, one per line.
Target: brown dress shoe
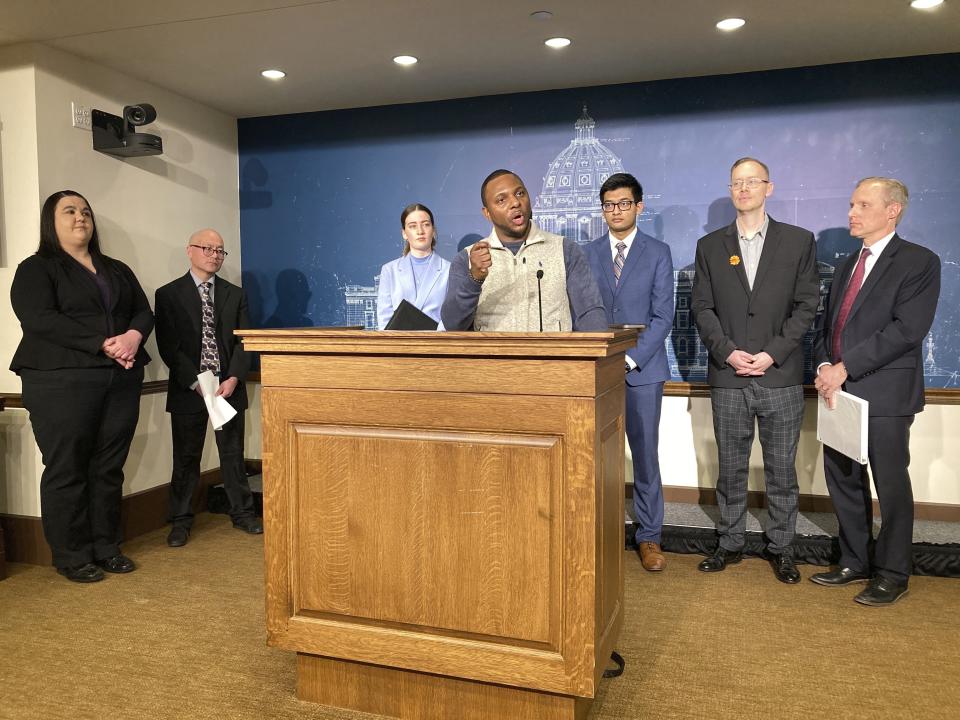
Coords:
pixel 651 557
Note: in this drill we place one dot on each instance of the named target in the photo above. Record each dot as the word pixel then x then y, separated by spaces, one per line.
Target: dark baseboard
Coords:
pixel 22 541
pixel 808 503
pixel 23 536
pixel 3 556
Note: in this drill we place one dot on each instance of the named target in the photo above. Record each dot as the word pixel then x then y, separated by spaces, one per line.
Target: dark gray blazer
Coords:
pixel 883 336
pixel 773 317
pixel 178 314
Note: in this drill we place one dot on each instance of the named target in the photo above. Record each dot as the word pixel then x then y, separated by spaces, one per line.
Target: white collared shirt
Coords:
pixel 628 241
pixel 197 281
pixel 875 250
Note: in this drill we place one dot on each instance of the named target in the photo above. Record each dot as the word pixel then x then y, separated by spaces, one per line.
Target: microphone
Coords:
pixel 540 297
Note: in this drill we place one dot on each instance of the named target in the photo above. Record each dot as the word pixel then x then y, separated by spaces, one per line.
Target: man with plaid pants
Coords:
pixel 755 295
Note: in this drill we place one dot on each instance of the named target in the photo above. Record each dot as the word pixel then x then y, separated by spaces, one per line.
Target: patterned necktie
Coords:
pixel 853 287
pixel 618 261
pixel 209 357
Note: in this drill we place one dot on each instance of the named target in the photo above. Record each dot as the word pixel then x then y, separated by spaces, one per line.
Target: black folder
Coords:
pixel 410 317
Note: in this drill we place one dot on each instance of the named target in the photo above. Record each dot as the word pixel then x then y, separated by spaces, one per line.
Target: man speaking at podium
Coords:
pixel 520 278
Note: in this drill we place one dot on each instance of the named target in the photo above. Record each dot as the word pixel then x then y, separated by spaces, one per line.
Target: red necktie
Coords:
pixel 853 287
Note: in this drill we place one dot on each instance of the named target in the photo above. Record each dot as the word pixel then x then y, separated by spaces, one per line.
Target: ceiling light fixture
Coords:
pixel 541 15
pixel 557 42
pixel 405 60
pixel 731 24
pixel 925 4
pixel 273 74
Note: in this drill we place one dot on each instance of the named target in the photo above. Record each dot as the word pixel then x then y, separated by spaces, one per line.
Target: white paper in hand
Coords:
pixel 220 411
pixel 845 427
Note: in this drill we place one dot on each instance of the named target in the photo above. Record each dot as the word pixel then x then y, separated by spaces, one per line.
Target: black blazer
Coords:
pixel 62 315
pixel 883 336
pixel 179 318
pixel 773 317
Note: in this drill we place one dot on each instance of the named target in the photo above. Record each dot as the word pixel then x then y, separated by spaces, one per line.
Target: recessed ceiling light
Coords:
pixel 273 74
pixel 731 24
pixel 541 15
pixel 925 4
pixel 405 60
pixel 557 42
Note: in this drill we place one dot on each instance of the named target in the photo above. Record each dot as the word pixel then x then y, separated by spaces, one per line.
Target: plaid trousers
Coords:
pixel 779 414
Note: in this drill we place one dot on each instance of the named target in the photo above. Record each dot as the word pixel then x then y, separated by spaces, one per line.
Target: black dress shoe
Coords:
pixel 250 525
pixel 838 577
pixel 178 537
pixel 117 564
pixel 784 569
pixel 82 573
pixel 719 560
pixel 881 592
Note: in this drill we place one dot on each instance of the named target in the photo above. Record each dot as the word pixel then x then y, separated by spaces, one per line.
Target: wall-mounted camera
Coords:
pixel 116 135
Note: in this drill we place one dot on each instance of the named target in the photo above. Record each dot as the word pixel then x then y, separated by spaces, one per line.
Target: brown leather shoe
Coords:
pixel 651 557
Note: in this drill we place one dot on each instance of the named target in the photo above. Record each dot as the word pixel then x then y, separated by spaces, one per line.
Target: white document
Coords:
pixel 845 427
pixel 220 411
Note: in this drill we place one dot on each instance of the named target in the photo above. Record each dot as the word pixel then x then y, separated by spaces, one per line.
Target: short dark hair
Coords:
pixel 414 207
pixel 49 242
pixel 743 160
pixel 490 178
pixel 622 180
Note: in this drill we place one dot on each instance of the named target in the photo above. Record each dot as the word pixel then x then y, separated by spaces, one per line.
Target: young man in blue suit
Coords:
pixel 635 274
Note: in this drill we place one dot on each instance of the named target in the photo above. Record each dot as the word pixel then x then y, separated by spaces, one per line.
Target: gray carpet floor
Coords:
pixel 808 523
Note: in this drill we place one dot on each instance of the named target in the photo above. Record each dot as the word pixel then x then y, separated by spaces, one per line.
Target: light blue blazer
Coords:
pixel 396 284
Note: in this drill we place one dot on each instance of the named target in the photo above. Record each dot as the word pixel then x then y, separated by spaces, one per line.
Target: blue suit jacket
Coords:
pixel 643 296
pixel 397 283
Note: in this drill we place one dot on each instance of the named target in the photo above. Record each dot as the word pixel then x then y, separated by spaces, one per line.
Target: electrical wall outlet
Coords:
pixel 80 116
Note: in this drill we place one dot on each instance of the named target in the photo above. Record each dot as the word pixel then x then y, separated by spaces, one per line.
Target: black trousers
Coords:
pixel 83 421
pixel 189 432
pixel 849 486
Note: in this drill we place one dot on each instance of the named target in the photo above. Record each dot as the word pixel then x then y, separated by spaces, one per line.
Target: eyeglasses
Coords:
pixel 211 251
pixel 622 204
pixel 749 183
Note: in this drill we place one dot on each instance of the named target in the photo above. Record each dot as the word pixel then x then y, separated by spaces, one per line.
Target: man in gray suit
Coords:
pixel 754 297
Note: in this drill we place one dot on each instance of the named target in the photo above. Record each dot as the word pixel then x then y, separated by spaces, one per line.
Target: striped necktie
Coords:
pixel 619 260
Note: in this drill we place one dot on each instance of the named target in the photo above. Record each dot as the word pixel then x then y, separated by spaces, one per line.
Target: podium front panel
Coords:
pixel 463 521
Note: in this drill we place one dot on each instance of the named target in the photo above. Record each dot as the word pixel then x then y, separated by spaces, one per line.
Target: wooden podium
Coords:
pixel 444 517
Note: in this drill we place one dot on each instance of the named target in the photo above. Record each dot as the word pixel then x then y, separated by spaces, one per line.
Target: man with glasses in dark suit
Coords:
pixel 196 316
pixel 755 295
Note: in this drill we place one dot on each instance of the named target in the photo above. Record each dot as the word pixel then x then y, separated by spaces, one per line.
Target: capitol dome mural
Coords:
pixel 568 203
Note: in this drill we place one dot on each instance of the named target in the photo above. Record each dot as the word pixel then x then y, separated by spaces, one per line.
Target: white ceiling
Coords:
pixel 337 53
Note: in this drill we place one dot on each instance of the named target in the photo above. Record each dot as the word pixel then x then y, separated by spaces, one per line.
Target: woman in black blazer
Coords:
pixel 84 318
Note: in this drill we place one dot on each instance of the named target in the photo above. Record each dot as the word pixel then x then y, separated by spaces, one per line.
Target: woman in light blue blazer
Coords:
pixel 419 276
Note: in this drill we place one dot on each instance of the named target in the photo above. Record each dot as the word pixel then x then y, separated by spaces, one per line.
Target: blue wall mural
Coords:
pixel 321 193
